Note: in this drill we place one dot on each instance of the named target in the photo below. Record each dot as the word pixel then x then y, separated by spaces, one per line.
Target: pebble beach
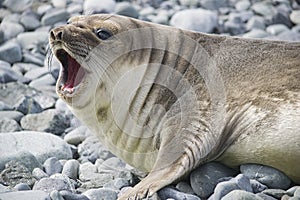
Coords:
pixel 48 154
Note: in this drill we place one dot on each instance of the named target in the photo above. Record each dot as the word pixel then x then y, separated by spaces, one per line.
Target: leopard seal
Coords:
pixel 167 100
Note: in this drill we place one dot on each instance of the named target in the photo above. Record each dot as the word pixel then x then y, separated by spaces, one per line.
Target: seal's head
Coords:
pixel 77 46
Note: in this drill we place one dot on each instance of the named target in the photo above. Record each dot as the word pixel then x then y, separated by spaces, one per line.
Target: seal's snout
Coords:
pixel 56 34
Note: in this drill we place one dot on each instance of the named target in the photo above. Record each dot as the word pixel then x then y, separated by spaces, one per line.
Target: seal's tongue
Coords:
pixel 75 75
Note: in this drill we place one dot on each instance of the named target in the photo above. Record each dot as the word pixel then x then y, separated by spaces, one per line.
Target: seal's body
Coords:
pixel 166 100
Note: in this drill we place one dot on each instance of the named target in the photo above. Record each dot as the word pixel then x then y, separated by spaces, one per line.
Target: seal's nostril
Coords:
pixel 59 35
pixel 52 35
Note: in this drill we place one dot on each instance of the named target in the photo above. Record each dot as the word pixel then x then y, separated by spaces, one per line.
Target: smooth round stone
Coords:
pixel 46 79
pixel 9 75
pixel 67 195
pixel 256 22
pixel 77 135
pixel 288 36
pixel 268 176
pixel 263 8
pixel 266 197
pixel 36 73
pixel 27 105
pixel 55 195
pixel 22 187
pixel 147 11
pixel 189 3
pixel 71 169
pixel 13 17
pixel 295 16
pixel 241 195
pixel 11 114
pixel 93 6
pixel 102 193
pixel 75 8
pixel 196 20
pixel 48 121
pixel 29 39
pixel 205 178
pixel 257 186
pixel 234 28
pixel 171 193
pixel 24 157
pixel 33 57
pixel 11 29
pixel 9 125
pixel 30 22
pixel 10 52
pixel 184 187
pixel 25 195
pixel 214 4
pixel 2 39
pixel 54 16
pixel 52 166
pixel 111 163
pixel 276 193
pixel 5 107
pixel 23 67
pixel 275 29
pixel 18 5
pixel 39 174
pixel 50 184
pixel 242 5
pixel 40 145
pixel 126 9
pixel 59 3
pixel 256 33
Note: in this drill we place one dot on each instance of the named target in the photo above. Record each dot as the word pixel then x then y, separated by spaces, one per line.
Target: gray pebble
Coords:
pixel 38 174
pixel 265 197
pixel 196 20
pixel 46 79
pixel 54 16
pixel 23 67
pixel 41 145
pixel 255 22
pixel 276 193
pixel 71 168
pixel 67 195
pixel 117 184
pixel 11 29
pixel 36 73
pixel 59 3
pixel 275 29
pixel 8 75
pixel 55 195
pixel 31 57
pixel 263 8
pixel 29 39
pixel 25 195
pixel 18 5
pixel 268 176
pixel 27 105
pixel 224 188
pixel 11 114
pixel 257 186
pixel 93 6
pixel 48 120
pixel 9 125
pixel 214 4
pixel 241 195
pixel 295 16
pixel 101 193
pixel 50 184
pixel 10 52
pixel 288 36
pixel 205 178
pixel 292 190
pixel 256 33
pixel 52 166
pixel 111 163
pixel 242 5
pixel 126 9
pixel 5 107
pixel 30 22
pixel 77 135
pixel 169 192
pixel 184 187
pixel 22 187
pixel 16 172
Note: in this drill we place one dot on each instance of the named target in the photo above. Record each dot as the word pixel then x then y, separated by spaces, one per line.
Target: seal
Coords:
pixel 167 100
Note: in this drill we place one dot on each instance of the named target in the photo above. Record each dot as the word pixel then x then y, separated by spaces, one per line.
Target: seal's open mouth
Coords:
pixel 71 75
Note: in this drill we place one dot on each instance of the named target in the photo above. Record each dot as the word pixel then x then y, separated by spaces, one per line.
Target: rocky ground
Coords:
pixel 45 153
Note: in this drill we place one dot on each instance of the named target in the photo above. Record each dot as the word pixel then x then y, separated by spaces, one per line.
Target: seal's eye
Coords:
pixel 103 34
